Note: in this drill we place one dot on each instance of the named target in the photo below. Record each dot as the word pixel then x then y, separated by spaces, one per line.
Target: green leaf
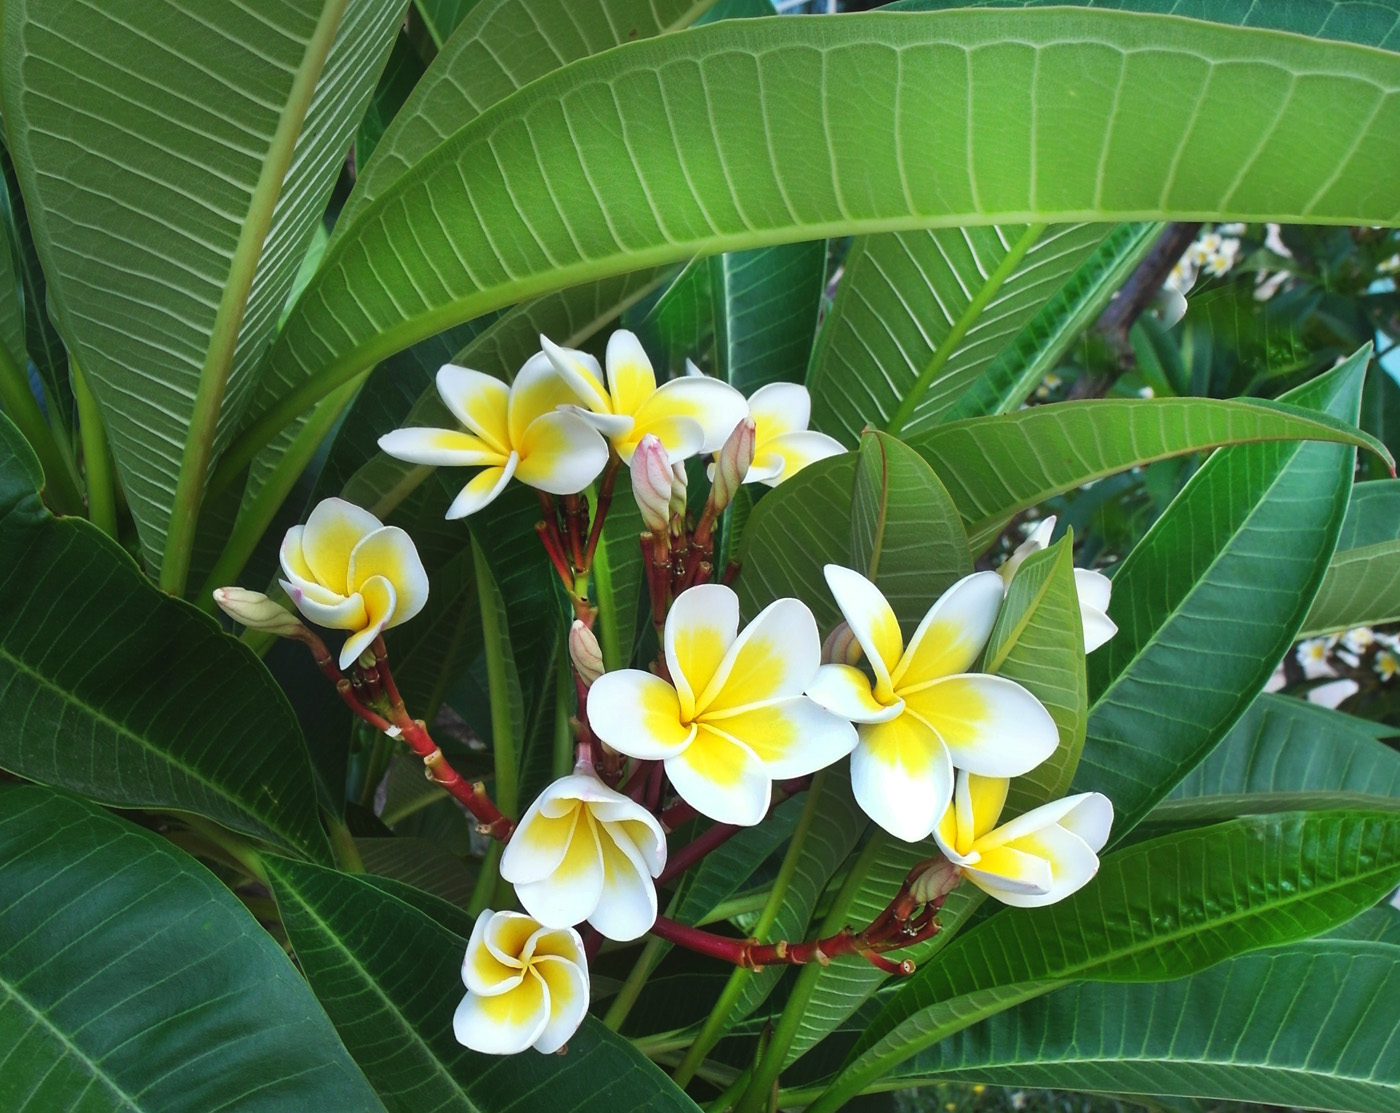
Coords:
pixel 766 305
pixel 918 315
pixel 1380 415
pixel 171 216
pixel 1362 585
pixel 131 979
pixel 1310 1025
pixel 389 974
pixel 1204 119
pixel 996 466
pixel 679 323
pixel 396 84
pixel 1282 751
pixel 1210 599
pixel 1158 910
pixel 422 863
pixel 113 689
pixel 1036 349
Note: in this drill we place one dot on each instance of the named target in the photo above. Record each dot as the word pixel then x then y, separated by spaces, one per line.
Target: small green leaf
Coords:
pixel 766 305
pixel 1362 585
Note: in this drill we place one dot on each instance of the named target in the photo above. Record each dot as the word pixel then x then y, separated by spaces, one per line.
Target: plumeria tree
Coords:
pixel 634 553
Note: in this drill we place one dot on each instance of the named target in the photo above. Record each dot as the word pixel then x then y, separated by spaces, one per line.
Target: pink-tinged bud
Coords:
pixel 585 653
pixel 733 463
pixel 841 647
pixel 257 612
pixel 939 878
pixel 651 483
pixel 679 484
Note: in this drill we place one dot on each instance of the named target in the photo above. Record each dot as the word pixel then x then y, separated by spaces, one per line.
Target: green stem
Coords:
pixel 636 978
pixel 484 891
pixel 503 748
pixel 97 461
pixel 563 709
pixel 969 317
pixel 228 319
pixel 735 1088
pixel 713 1028
pixel 22 408
pixel 237 847
pixel 770 1065
pixel 347 854
pixel 255 515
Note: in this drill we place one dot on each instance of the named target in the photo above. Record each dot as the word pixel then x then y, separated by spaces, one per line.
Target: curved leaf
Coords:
pixel 1310 1025
pixel 147 139
pixel 1362 585
pixel 919 314
pixel 386 962
pixel 477 223
pixel 1157 910
pixel 996 466
pixel 113 689
pixel 1210 599
pixel 131 979
pixel 766 306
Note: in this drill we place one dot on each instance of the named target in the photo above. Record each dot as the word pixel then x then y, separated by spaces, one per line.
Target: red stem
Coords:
pixel 556 554
pixel 605 496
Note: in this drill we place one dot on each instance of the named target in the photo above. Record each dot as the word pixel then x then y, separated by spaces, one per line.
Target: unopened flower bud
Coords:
pixel 585 653
pixel 733 462
pixel 841 647
pixel 679 483
pixel 939 878
pixel 651 483
pixel 257 612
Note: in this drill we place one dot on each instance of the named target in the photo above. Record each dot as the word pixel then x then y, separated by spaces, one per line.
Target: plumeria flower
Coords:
pixel 347 570
pixel 1360 639
pixel 688 415
pixel 1333 692
pixel 732 718
pixel 1094 588
pixel 513 430
pixel 1037 858
pixel 1313 655
pixel 1386 664
pixel 783 445
pixel 585 852
pixel 527 986
pixel 924 713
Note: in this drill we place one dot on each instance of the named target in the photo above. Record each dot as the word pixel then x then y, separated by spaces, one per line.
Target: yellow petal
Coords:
pixel 560 453
pixel 991 725
pixel 721 778
pixel 845 690
pixel 952 634
pixel 332 531
pixel 631 379
pixel 389 553
pixel 792 736
pixel 567 987
pixel 479 401
pixel 700 628
pixel 638 714
pixel 872 621
pixel 776 656
pixel 902 776
pixel 483 488
pixel 779 408
pixel 439 448
pixel 538 389
pixel 794 451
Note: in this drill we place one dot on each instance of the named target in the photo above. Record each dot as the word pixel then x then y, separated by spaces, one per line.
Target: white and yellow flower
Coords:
pixel 585 852
pixel 346 570
pixel 512 431
pixel 688 415
pixel 924 713
pixel 527 986
pixel 1037 858
pixel 732 717
pixel 783 445
pixel 1094 588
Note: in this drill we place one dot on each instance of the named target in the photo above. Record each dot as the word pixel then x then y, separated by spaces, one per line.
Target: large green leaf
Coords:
pixel 739 153
pixel 386 962
pixel 1362 585
pixel 1210 599
pixel 1312 1025
pixel 996 466
pixel 1158 910
pixel 1281 748
pixel 919 314
pixel 173 178
pixel 766 305
pixel 131 979
pixel 1036 349
pixel 115 690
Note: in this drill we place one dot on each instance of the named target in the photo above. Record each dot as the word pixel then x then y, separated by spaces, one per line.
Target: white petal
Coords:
pixel 582 373
pixel 390 552
pixel 483 488
pixel 1098 628
pixel 637 714
pixel 717 407
pixel 992 726
pixel 845 690
pixel 779 408
pixel 902 777
pixel 640 827
pixel 627 907
pixel 482 971
pixel 538 389
pixel 795 451
pixel 775 656
pixel 567 983
pixel 1023 880
pixel 700 629
pixel 561 454
pixel 1091 819
pixel 631 380
pixel 953 633
pixel 571 892
pixel 1072 866
pixel 612 426
pixel 505 1024
pixel 1040 536
pixel 791 736
pixel 333 529
pixel 871 620
pixel 540 840
pixel 479 401
pixel 1094 591
pixel 440 448
pixel 510 936
pixel 347 614
pixel 721 778
pixel 380 600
